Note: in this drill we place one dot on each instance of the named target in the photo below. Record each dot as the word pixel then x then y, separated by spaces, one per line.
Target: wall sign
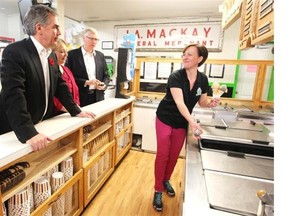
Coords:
pixel 173 36
pixel 4 41
pixel 107 45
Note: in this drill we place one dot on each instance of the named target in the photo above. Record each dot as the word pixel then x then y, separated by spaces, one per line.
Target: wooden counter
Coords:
pixel 108 140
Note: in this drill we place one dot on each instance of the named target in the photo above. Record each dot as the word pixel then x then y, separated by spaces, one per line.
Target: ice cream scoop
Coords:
pixel 265 197
pixel 215 85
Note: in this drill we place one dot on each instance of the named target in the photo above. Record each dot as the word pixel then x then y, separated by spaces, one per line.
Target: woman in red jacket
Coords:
pixel 61 51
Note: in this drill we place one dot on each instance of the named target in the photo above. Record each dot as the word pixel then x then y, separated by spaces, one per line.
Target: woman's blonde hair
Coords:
pixel 58 44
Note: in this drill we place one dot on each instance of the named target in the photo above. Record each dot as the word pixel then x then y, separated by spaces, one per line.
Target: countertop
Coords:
pixel 12 148
pixel 195 189
pixel 195 195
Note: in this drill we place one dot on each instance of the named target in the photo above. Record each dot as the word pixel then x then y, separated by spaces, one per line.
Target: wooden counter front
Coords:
pixel 69 141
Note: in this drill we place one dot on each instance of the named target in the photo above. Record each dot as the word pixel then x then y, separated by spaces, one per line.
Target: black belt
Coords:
pixel 92 91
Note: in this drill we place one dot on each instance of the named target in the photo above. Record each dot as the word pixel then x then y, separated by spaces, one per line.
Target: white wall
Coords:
pixel 230 43
pixel 4 25
pixel 229 49
pixel 11 27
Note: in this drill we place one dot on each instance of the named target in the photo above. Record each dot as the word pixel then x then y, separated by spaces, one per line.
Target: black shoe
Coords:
pixel 169 188
pixel 157 201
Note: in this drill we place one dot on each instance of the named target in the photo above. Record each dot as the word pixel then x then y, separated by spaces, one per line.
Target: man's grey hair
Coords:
pixel 92 30
pixel 37 14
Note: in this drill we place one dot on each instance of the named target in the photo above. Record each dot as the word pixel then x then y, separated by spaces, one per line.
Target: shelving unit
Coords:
pixel 76 184
pixel 99 144
pixel 97 170
pixel 257 23
pixel 247 24
pixel 123 131
pixel 264 30
pixel 231 12
pixel 43 161
pixel 92 144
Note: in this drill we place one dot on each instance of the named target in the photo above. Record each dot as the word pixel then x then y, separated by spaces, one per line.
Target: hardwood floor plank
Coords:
pixel 130 189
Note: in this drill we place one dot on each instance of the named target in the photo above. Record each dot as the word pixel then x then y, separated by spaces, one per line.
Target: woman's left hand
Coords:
pixel 213 102
pixel 86 114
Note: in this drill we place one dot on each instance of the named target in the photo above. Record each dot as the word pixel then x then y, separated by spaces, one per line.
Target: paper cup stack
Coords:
pixel 31 197
pixel 42 191
pixel 66 167
pixel 18 205
pixel 57 181
pixel 4 209
pixel 50 172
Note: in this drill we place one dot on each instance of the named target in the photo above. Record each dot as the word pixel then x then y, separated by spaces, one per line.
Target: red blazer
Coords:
pixel 69 79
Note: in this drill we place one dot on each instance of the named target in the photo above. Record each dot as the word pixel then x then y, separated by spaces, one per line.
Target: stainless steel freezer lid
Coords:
pixel 235 193
pixel 246 166
pixel 219 129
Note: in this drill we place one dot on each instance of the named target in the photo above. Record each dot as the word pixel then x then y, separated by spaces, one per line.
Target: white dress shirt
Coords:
pixel 44 54
pixel 90 65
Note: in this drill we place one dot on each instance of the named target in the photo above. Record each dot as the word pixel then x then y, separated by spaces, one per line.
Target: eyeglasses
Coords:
pixel 92 39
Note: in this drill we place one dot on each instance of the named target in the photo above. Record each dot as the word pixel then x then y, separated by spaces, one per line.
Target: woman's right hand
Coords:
pixel 196 129
pixel 38 142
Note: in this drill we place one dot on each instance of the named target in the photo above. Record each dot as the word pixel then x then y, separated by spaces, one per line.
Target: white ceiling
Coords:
pixel 112 10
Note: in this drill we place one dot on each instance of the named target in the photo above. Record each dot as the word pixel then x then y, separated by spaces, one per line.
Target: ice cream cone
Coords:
pixel 215 88
pixel 220 93
pixel 215 92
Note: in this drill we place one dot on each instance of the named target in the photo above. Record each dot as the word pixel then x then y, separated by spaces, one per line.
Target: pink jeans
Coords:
pixel 169 144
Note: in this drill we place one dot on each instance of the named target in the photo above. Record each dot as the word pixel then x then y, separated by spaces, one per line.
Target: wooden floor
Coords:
pixel 130 189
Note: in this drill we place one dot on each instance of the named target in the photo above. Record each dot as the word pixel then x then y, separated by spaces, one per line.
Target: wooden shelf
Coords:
pixel 257 23
pixel 40 166
pixel 247 25
pixel 77 209
pixel 97 131
pixel 264 29
pixel 101 141
pixel 95 157
pixel 231 12
pixel 121 153
pixel 121 133
pixel 121 116
pixel 89 192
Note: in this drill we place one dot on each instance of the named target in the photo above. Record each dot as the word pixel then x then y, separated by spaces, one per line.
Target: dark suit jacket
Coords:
pixel 75 62
pixel 22 98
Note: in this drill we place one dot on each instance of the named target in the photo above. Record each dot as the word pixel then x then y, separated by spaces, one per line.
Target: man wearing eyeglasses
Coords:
pixel 89 69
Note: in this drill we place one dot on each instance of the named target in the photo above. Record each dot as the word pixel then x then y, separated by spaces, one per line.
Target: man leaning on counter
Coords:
pixel 30 78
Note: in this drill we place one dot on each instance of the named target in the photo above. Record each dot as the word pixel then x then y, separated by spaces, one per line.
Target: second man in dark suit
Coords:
pixel 89 69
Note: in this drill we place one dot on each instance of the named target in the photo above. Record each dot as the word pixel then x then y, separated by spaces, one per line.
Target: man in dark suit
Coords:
pixel 30 78
pixel 89 69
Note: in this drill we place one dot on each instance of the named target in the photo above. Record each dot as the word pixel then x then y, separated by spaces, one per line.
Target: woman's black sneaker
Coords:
pixel 157 201
pixel 169 188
